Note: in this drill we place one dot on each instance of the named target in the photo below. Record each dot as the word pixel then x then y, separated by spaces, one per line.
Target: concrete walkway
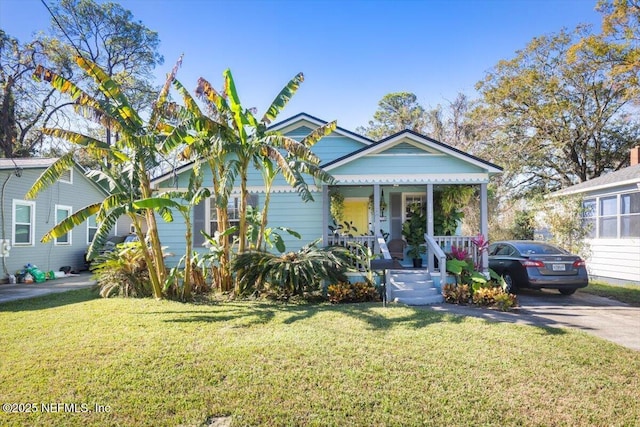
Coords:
pixel 23 290
pixel 602 317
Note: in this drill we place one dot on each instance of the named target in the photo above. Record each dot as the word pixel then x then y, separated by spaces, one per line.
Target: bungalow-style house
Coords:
pixel 379 182
pixel 24 222
pixel 612 214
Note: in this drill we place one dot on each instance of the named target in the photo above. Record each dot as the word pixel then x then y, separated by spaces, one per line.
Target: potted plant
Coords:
pixel 413 231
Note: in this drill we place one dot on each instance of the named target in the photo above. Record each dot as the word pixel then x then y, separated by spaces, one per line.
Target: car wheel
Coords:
pixel 567 291
pixel 508 280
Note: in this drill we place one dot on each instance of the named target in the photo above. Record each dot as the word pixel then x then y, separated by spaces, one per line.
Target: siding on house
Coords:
pixel 47 256
pixel 617 259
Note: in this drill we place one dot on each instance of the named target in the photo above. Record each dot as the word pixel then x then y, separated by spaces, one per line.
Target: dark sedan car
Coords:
pixel 529 264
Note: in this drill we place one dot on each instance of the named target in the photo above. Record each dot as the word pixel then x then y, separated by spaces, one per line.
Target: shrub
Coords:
pixel 456 294
pixel 343 292
pixel 292 273
pixel 123 272
pixel 494 296
pixel 505 301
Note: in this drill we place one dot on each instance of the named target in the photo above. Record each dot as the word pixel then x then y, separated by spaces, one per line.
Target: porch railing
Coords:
pixel 352 243
pixel 445 243
pixel 434 248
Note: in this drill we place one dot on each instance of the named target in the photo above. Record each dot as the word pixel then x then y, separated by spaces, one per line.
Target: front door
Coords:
pixel 356 211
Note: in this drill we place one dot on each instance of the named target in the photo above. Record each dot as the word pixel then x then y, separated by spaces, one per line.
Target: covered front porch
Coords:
pixel 373 215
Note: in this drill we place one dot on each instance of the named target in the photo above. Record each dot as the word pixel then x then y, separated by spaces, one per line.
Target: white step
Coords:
pixel 412 287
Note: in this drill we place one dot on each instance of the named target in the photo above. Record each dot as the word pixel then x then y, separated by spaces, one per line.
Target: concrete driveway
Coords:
pixel 24 291
pixel 603 317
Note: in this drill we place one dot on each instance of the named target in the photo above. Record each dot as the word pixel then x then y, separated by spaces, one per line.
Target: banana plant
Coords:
pixel 132 156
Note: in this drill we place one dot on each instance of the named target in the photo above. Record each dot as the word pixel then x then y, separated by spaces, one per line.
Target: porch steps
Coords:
pixel 412 287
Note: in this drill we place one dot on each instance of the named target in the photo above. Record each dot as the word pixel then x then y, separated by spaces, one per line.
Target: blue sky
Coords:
pixel 352 52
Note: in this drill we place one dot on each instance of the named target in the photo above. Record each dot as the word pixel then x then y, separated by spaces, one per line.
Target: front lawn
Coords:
pixel 629 294
pixel 167 363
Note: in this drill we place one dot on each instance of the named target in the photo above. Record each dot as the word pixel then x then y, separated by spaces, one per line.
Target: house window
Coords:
pixel 410 200
pixel 630 215
pixel 62 213
pixel 589 217
pixel 92 228
pixel 23 222
pixel 67 177
pixel 612 216
pixel 233 212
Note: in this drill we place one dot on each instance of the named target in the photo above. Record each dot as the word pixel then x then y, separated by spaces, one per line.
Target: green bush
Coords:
pixel 123 272
pixel 291 273
pixel 344 292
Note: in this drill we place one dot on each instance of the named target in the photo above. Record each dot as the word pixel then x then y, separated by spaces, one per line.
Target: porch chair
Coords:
pixel 396 248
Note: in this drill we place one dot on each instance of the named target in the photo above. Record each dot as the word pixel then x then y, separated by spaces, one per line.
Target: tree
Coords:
pixel 135 153
pixel 107 35
pixel 25 106
pixel 555 120
pixel 396 112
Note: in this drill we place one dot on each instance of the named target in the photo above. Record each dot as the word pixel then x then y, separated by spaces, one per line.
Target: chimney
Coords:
pixel 635 155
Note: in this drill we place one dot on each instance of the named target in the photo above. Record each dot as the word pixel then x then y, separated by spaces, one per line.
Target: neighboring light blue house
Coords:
pixel 379 181
pixel 24 222
pixel 612 213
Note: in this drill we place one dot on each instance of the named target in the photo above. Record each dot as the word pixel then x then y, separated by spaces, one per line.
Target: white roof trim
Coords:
pixel 422 141
pixel 568 191
pixel 461 178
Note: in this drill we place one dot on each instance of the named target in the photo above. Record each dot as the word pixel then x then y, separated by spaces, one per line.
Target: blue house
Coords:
pixel 24 222
pixel 379 182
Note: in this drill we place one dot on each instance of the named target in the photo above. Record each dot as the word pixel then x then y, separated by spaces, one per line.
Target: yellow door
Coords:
pixel 356 211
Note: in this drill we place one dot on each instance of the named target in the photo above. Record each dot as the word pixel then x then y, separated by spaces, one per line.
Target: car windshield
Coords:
pixel 526 248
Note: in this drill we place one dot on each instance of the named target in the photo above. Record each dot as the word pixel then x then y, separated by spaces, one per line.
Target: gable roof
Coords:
pixel 298 120
pixel 26 163
pixel 425 141
pixel 43 163
pixel 628 175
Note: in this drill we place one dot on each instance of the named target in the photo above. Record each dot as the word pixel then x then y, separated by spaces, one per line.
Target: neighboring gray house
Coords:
pixel 24 222
pixel 612 203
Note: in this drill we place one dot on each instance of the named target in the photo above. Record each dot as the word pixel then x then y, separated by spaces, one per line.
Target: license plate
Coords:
pixel 558 267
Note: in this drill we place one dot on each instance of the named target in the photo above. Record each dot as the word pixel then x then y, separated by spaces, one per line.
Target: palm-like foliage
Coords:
pixel 291 273
pixel 132 156
pixel 253 144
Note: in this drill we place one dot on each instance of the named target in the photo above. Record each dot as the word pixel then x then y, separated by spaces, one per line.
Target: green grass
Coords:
pixel 629 294
pixel 167 363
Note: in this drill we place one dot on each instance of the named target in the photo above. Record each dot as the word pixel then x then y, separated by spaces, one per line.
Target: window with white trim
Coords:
pixel 92 228
pixel 615 216
pixel 630 215
pixel 233 212
pixel 62 213
pixel 23 224
pixel 66 177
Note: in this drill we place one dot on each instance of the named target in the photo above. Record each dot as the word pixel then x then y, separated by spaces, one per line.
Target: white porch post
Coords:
pixel 376 209
pixel 325 214
pixel 429 201
pixel 484 224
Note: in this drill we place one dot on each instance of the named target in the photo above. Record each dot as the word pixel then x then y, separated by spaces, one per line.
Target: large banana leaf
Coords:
pixel 51 175
pixel 93 146
pixel 106 223
pixel 319 133
pixel 239 117
pixel 282 99
pixel 67 224
pixel 112 91
pixel 164 93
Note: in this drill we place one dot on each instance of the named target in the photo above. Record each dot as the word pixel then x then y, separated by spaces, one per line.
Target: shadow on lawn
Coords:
pixel 376 317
